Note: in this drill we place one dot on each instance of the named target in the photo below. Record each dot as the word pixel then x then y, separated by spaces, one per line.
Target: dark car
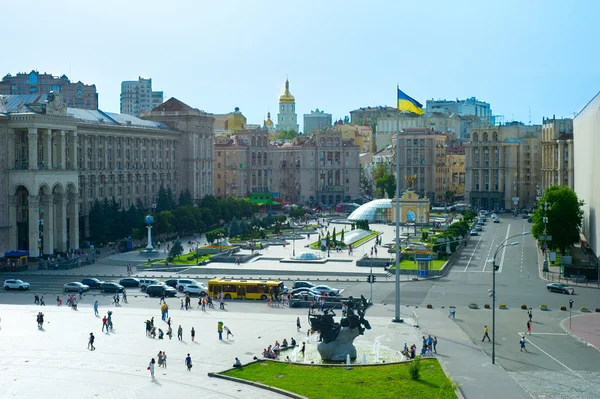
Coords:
pixel 171 283
pixel 302 284
pixel 92 283
pixel 158 289
pixel 130 282
pixel 111 287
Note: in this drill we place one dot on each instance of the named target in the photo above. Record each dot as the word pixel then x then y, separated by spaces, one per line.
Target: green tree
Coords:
pixel 97 219
pixel 185 198
pixel 386 184
pixel 183 219
pixel 214 235
pixel 334 237
pixel 342 236
pixel 234 228
pixel 564 217
pixel 176 249
pixel 449 195
pixel 297 212
pixel 163 222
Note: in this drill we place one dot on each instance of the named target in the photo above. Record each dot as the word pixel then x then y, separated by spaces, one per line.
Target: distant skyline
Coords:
pixel 535 58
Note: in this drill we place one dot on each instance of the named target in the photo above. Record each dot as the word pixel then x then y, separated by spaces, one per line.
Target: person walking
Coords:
pixel 91 342
pixel 530 314
pixel 164 359
pixel 298 326
pixel 57 300
pixel 485 334
pixel 228 331
pixel 193 333
pixel 96 308
pixel 522 344
pixel 303 349
pixel 151 368
pixel 180 333
pixel 434 344
pixel 222 303
pixel 104 324
pixel 188 362
pixel 42 303
pixel 528 327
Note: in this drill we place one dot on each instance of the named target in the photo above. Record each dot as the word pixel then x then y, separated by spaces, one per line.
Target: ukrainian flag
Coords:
pixel 406 103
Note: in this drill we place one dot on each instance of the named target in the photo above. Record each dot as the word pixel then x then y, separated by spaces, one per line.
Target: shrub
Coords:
pixel 502 305
pixel 563 308
pixel 429 306
pixel 543 305
pixel 486 306
pixel 524 307
pixel 415 368
pixel 584 309
pixel 598 310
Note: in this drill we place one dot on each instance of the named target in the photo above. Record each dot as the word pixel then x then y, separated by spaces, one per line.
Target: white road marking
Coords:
pixel 490 250
pixel 471 258
pixel 504 250
pixel 551 357
pixel 522 333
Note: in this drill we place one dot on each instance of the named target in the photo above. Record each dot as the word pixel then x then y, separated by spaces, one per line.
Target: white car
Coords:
pixel 75 286
pixel 16 285
pixel 327 290
pixel 182 283
pixel 195 289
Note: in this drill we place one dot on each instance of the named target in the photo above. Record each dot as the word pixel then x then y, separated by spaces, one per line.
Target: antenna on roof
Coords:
pixel 530 114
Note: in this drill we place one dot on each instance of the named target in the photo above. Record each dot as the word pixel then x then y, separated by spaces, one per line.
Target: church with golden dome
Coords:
pixel 287 118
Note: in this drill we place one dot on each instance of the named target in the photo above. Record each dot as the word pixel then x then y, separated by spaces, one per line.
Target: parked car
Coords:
pixel 480 222
pixel 182 283
pixel 496 220
pixel 16 285
pixel 326 290
pixel 302 284
pixel 300 290
pixel 145 282
pixel 474 232
pixel 111 287
pixel 529 220
pixel 306 296
pixel 196 289
pixel 171 283
pixel 562 288
pixel 75 286
pixel 478 228
pixel 92 282
pixel 130 282
pixel 158 289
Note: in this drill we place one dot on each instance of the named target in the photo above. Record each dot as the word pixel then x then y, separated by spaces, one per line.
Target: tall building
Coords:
pixel 586 130
pixel 76 95
pixel 468 107
pixel 503 166
pixel 557 153
pixel 137 96
pixel 58 160
pixel 287 118
pixel 423 155
pixel 455 159
pixel 388 126
pixel 370 115
pixel 316 120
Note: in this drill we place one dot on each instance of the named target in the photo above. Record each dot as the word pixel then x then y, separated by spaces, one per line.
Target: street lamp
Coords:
pixel 546 206
pixel 502 245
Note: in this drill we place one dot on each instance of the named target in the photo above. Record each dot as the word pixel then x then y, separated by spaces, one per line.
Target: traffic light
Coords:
pixel 496 267
pixel 369 278
pixel 570 303
pixel 372 278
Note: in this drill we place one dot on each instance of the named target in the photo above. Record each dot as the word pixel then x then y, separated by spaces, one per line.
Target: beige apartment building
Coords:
pixel 361 135
pixel 423 155
pixel 557 153
pixel 57 161
pixel 323 168
pixel 455 159
pixel 503 166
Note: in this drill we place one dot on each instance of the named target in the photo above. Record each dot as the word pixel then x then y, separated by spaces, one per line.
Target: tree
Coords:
pixel 183 219
pixel 297 212
pixel 564 217
pixel 163 222
pixel 97 219
pixel 334 237
pixel 176 249
pixel 449 195
pixel 185 198
pixel 342 236
pixel 234 228
pixel 386 184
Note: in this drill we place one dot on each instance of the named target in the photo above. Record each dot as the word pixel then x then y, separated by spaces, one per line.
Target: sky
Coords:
pixel 528 58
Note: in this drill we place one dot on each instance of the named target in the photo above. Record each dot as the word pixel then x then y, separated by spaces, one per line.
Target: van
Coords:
pixel 145 282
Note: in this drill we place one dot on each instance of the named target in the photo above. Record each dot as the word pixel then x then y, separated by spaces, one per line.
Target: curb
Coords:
pixel 568 332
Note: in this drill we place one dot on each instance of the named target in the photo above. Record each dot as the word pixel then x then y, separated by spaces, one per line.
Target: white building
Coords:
pixel 468 107
pixel 586 128
pixel 137 97
pixel 287 118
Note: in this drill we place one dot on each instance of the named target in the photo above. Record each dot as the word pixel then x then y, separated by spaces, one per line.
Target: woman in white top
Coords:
pixel 151 368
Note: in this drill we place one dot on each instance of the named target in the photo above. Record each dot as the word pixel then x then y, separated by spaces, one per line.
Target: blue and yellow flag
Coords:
pixel 406 103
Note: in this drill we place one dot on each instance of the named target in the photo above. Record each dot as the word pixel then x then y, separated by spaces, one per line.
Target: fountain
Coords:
pixel 348 359
pixel 149 250
pixel 376 346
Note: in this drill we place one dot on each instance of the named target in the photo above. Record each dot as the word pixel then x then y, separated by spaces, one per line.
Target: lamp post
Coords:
pixel 294 245
pixel 546 206
pixel 397 318
pixel 503 244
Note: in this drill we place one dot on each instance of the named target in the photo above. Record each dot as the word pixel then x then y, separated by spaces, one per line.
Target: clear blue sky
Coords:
pixel 339 55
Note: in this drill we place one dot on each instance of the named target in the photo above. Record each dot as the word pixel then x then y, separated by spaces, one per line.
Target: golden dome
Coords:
pixel 268 121
pixel 287 96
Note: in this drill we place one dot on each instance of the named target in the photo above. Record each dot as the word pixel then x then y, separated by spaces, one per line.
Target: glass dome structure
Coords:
pixel 307 256
pixel 379 210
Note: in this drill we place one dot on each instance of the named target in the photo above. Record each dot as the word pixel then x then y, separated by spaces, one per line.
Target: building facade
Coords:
pixel 586 128
pixel 59 160
pixel 316 120
pixel 503 166
pixel 362 135
pixel 370 115
pixel 455 159
pixel 388 127
pixel 76 95
pixel 423 156
pixel 468 107
pixel 557 153
pixel 287 118
pixel 137 96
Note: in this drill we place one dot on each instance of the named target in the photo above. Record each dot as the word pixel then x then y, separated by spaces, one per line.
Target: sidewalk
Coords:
pixel 554 274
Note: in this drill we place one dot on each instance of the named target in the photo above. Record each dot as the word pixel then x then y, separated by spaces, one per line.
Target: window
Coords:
pixel 33 78
pixel 33 89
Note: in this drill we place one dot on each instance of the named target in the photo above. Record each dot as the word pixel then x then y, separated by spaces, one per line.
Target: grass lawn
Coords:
pixel 408 264
pixel 181 261
pixel 387 381
pixel 317 244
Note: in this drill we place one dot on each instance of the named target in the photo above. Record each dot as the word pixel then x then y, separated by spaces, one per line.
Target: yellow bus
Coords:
pixel 248 289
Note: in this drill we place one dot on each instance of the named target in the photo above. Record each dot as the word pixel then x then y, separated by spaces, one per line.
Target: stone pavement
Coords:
pixel 586 327
pixel 55 362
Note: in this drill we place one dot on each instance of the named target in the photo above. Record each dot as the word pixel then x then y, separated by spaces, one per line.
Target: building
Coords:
pixel 557 153
pixel 387 127
pixel 423 156
pixel 455 159
pixel 362 135
pixel 370 115
pixel 586 127
pixel 316 120
pixel 287 118
pixel 58 160
pixel 503 166
pixel 468 107
pixel 76 95
pixel 137 96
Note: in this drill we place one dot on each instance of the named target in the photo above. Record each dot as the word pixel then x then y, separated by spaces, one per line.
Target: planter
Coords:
pixel 543 306
pixel 486 306
pixel 563 308
pixel 584 309
pixel 598 310
pixel 524 307
pixel 473 305
pixel 429 306
pixel 502 306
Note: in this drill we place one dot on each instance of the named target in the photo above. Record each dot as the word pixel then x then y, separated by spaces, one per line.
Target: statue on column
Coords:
pixel 410 181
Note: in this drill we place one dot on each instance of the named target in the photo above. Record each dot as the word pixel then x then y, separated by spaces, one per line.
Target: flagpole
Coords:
pixel 397 318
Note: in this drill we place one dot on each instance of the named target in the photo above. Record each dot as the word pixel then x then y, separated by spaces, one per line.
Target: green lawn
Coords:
pixel 408 264
pixel 386 381
pixel 317 244
pixel 181 261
